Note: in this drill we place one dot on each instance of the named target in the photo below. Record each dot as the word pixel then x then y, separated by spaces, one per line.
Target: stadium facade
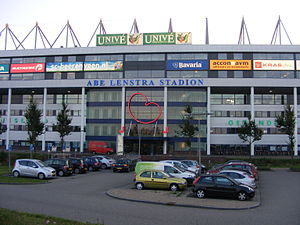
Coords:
pixel 133 97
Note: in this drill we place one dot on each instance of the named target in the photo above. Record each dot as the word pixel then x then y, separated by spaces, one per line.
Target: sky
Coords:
pixel 224 18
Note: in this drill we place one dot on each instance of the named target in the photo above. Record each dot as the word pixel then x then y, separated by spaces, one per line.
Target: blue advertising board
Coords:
pixel 64 67
pixel 4 68
pixel 187 65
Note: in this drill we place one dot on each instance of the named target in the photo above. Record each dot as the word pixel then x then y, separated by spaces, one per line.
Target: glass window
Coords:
pixel 146 174
pixel 207 180
pixel 145 57
pixel 223 181
pixel 187 95
pixel 216 99
pixel 272 56
pixel 4 60
pixel 158 175
pixel 189 56
pixel 268 99
pixel 228 99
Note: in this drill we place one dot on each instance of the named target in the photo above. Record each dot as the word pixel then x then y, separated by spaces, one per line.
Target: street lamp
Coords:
pixel 199 148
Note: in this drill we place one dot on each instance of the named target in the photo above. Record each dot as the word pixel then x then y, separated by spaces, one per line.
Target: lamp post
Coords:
pixel 199 141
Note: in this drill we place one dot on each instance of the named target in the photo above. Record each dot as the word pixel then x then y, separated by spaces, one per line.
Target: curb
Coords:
pixel 168 203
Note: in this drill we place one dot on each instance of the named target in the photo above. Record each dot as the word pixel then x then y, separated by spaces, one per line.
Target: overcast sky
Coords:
pixel 224 18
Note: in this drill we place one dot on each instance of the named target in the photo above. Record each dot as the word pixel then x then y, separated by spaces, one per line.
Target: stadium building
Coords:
pixel 131 91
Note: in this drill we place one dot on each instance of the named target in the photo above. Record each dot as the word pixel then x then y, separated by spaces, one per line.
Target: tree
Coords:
pixel 249 132
pixel 63 123
pixel 34 125
pixel 187 129
pixel 286 123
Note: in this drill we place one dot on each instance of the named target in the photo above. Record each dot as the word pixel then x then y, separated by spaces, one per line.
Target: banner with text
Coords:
pixel 27 68
pixel 144 39
pixel 273 64
pixel 64 67
pixel 103 66
pixel 230 65
pixel 4 68
pixel 187 65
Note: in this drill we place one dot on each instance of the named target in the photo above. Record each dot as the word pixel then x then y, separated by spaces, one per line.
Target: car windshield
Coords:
pixel 40 163
pixel 180 168
pixel 188 163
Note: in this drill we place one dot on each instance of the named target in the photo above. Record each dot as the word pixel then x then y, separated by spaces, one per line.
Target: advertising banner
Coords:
pixel 298 65
pixel 187 65
pixel 103 66
pixel 4 68
pixel 111 39
pixel 230 65
pixel 144 39
pixel 64 67
pixel 27 68
pixel 273 64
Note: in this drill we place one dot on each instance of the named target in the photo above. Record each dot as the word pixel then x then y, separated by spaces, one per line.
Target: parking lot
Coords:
pixel 83 197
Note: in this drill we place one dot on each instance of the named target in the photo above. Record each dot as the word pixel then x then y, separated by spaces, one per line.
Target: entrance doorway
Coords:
pixel 144 146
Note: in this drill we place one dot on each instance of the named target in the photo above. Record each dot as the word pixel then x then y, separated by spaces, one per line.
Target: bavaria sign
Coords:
pixel 170 38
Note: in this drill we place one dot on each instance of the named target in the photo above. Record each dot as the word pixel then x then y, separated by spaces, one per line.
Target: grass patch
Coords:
pixel 16 218
pixel 20 180
pixel 295 168
pixel 4 170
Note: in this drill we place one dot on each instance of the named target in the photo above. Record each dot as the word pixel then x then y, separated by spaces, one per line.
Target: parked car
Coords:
pixel 124 164
pixel 165 167
pixel 78 165
pixel 182 165
pixel 194 164
pixel 93 164
pixel 63 167
pixel 239 176
pixel 250 168
pixel 32 168
pixel 221 186
pixel 106 162
pixel 159 179
pixel 99 147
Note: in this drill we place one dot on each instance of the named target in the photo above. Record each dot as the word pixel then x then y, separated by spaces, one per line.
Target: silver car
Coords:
pixel 32 168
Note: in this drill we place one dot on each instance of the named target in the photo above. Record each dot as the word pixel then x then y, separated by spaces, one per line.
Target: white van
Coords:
pixel 179 164
pixel 166 167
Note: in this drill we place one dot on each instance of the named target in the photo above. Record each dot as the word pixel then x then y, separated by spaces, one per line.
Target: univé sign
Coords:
pixel 170 38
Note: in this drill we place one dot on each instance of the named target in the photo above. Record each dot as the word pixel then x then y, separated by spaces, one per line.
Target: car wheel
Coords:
pixel 103 166
pixel 139 186
pixel 242 196
pixel 16 174
pixel 60 173
pixel 173 187
pixel 200 193
pixel 41 176
pixel 90 168
pixel 77 171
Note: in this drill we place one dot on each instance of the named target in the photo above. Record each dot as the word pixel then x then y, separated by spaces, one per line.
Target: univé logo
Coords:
pixel 148 104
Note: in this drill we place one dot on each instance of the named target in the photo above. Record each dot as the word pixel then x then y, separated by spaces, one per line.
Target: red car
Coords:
pixel 248 167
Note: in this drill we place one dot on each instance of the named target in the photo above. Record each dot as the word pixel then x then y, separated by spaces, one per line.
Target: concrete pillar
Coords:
pixel 44 119
pixel 208 122
pixel 296 124
pixel 252 116
pixel 165 133
pixel 8 117
pixel 82 120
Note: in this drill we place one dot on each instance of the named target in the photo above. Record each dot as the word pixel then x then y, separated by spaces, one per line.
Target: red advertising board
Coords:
pixel 27 68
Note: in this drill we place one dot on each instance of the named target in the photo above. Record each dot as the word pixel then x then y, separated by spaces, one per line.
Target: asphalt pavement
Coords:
pixel 83 198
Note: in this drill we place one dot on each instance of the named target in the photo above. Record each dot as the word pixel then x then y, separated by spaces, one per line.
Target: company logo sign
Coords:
pixel 274 64
pixel 27 68
pixel 187 65
pixel 103 66
pixel 144 39
pixel 64 67
pixel 148 104
pixel 4 68
pixel 230 65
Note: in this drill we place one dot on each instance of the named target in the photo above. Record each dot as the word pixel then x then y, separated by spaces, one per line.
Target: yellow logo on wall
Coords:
pixel 230 65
